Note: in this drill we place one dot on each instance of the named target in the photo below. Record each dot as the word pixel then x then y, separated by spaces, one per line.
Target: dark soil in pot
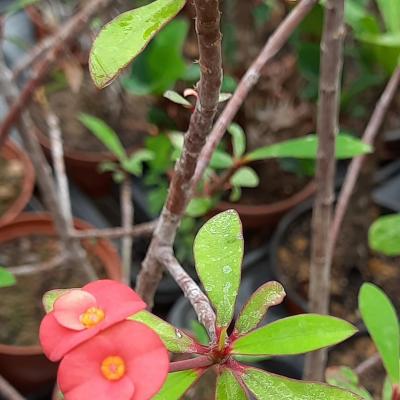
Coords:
pixel 353 263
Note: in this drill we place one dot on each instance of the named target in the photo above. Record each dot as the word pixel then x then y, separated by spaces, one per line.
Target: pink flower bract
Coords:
pixel 80 314
pixel 125 362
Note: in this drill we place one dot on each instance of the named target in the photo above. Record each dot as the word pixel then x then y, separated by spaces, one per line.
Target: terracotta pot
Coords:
pixel 11 151
pixel 266 216
pixel 26 367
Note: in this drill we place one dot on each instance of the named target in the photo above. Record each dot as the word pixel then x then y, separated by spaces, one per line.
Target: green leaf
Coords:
pixel 105 134
pixel 218 253
pixel 6 278
pixel 236 194
pixel 387 390
pixel 345 378
pixel 268 295
pixel 228 388
pixel 221 160
pixel 134 164
pixel 380 318
pixel 121 40
pixel 266 386
pixel 306 147
pixel 390 10
pixel 238 139
pixel 177 384
pixel 384 235
pixel 245 177
pixel 294 335
pixel 150 76
pixel 199 332
pixel 174 339
pixel 50 297
pixel 199 206
pixel 177 98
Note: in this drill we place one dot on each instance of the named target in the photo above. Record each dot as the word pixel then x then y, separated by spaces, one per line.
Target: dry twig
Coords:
pixel 327 129
pixel 127 222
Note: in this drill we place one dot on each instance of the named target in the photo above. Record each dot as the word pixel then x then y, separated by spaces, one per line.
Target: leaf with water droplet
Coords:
pixel 269 294
pixel 294 335
pixel 177 384
pixel 218 252
pixel 122 39
pixel 266 386
pixel 228 388
pixel 173 338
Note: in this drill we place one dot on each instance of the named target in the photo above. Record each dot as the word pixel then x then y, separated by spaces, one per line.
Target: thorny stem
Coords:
pixel 191 363
pixel 209 40
pixel 327 129
pixel 249 80
pixel 369 136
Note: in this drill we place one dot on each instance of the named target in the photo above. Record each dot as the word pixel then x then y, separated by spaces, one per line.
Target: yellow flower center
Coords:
pixel 113 368
pixel 91 317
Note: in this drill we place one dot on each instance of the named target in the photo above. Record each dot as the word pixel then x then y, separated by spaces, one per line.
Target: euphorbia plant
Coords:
pixel 218 252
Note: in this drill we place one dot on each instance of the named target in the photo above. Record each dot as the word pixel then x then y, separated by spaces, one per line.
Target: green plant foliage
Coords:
pixel 199 206
pixel 199 332
pixel 218 252
pixel 245 177
pixel 266 296
pixel 177 384
pixel 6 278
pixel 347 379
pixel 175 340
pixel 380 318
pixel 238 140
pixel 177 98
pixel 134 163
pixel 221 160
pixel 159 67
pixel 228 388
pixel 50 297
pixel 266 386
pixel 105 134
pixel 390 10
pixel 121 40
pixel 384 235
pixel 306 147
pixel 294 335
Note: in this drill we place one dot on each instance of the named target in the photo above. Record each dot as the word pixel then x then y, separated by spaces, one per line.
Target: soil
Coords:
pixel 21 308
pixel 11 177
pixel 351 267
pixel 352 353
pixel 125 113
pixel 275 185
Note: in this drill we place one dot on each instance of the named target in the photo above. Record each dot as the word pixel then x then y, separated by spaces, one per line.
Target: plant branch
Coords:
pixel 8 392
pixel 369 136
pixel 75 26
pixel 145 229
pixel 191 363
pixel 327 129
pixel 209 40
pixel 127 222
pixel 197 298
pixel 368 364
pixel 26 128
pixel 274 44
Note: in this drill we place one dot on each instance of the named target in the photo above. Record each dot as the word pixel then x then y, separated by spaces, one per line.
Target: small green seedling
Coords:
pixel 6 278
pixel 132 164
pixel 380 318
pixel 384 235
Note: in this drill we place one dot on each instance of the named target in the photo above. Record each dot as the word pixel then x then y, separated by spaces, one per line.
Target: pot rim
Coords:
pixel 13 151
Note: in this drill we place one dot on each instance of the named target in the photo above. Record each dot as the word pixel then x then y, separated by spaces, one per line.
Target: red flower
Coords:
pixel 80 314
pixel 126 362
